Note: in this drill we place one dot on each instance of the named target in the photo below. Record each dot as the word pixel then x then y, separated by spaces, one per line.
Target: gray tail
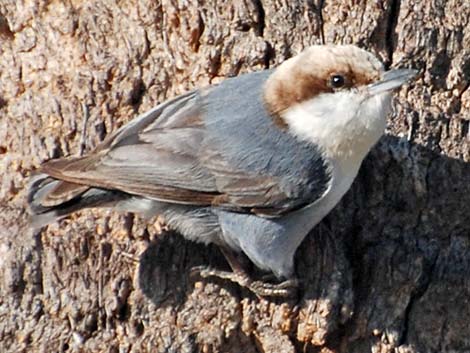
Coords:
pixel 50 199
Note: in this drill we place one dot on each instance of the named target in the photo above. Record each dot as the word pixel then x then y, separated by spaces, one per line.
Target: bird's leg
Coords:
pixel 239 276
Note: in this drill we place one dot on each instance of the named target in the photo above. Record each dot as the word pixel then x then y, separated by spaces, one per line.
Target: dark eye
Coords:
pixel 337 81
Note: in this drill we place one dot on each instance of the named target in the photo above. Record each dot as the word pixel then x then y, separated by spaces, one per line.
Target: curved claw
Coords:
pixel 286 289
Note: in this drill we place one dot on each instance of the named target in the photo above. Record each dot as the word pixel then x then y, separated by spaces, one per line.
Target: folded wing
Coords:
pixel 164 155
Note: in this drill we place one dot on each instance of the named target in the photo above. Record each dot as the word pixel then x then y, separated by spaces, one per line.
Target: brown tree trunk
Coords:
pixel 387 271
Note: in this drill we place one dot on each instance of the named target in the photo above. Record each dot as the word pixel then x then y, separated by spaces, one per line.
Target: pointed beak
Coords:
pixel 390 80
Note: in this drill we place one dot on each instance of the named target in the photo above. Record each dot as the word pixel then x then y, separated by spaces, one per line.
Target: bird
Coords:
pixel 251 164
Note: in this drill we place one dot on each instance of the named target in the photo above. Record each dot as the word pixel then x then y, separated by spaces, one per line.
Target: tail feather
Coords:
pixel 46 192
pixel 50 199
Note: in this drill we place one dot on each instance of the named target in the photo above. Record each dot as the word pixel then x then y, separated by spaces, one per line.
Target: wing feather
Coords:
pixel 165 155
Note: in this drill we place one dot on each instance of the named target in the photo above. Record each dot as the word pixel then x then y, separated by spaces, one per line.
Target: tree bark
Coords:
pixel 387 271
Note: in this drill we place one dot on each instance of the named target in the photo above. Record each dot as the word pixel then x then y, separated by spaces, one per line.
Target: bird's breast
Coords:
pixel 342 178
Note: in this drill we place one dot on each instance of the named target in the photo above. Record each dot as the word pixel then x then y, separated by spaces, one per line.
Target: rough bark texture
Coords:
pixel 387 271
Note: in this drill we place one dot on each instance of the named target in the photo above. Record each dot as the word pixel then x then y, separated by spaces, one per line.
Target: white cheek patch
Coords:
pixel 342 123
pixel 322 120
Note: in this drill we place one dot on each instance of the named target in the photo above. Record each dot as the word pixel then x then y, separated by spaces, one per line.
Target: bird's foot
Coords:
pixel 286 289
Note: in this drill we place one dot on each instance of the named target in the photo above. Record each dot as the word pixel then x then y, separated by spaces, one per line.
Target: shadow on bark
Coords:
pixel 370 265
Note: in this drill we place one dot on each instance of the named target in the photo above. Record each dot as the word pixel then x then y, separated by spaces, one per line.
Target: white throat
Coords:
pixel 344 125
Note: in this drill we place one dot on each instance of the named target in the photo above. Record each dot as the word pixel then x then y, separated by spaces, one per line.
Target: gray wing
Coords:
pixel 168 155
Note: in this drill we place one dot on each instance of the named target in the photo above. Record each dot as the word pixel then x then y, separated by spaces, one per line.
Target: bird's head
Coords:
pixel 337 97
